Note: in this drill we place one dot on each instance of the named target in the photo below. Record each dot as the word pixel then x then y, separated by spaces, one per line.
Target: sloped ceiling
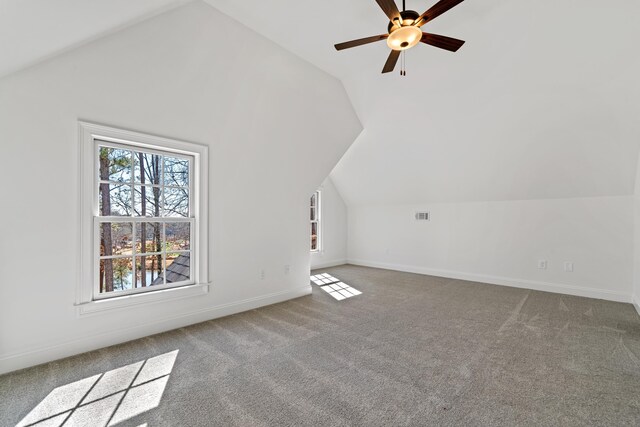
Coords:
pixel 542 101
pixel 33 30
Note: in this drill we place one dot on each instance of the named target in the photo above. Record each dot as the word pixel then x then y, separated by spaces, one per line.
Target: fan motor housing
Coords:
pixel 410 15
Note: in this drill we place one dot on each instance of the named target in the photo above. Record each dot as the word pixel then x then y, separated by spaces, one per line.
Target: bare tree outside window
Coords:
pixel 144 219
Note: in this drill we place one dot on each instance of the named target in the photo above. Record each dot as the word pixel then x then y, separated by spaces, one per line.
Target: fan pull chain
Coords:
pixel 403 70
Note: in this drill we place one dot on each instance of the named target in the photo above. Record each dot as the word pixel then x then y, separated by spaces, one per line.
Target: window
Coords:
pixel 144 214
pixel 315 221
pixel 143 220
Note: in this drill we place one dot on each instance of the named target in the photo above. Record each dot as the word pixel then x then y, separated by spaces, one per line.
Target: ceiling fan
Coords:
pixel 403 31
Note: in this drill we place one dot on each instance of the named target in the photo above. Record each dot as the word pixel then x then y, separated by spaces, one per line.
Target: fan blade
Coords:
pixel 389 8
pixel 360 42
pixel 391 61
pixel 436 10
pixel 443 42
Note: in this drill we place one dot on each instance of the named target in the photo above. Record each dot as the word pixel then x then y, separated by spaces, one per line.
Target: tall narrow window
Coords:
pixel 315 221
pixel 147 213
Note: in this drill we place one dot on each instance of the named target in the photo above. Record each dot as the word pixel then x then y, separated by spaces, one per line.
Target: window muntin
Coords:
pixel 315 221
pixel 144 226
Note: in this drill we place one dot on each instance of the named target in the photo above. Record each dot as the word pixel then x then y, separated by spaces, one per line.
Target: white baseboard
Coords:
pixel 559 288
pixel 37 356
pixel 636 303
pixel 328 264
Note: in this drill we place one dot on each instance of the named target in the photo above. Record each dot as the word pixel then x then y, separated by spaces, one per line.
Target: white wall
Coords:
pixel 191 74
pixel 333 223
pixel 501 242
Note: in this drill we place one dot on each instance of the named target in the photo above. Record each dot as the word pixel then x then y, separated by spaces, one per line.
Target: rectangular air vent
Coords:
pixel 422 216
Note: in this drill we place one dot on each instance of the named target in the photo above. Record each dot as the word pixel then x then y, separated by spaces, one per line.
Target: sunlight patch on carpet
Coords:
pixel 334 287
pixel 108 398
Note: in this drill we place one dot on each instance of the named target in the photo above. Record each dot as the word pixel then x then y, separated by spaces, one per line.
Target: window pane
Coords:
pixel 178 267
pixel 147 168
pixel 116 274
pixel 176 172
pixel 147 200
pixel 116 238
pixel 314 213
pixel 314 236
pixel 115 164
pixel 149 271
pixel 178 236
pixel 114 200
pixel 149 237
pixel 176 202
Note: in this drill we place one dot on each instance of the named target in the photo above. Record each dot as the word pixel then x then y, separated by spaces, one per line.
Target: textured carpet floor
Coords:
pixel 411 350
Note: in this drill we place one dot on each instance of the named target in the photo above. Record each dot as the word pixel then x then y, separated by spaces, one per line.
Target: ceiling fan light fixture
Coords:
pixel 403 31
pixel 404 38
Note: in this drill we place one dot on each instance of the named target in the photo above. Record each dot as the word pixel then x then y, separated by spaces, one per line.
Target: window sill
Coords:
pixel 141 299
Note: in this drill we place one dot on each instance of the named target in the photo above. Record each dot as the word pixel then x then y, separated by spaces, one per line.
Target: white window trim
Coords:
pixel 318 220
pixel 86 300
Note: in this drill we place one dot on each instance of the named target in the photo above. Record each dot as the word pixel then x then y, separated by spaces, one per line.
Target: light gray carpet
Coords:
pixel 411 350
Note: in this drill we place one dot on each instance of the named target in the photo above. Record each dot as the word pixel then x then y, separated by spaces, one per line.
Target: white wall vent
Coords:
pixel 422 216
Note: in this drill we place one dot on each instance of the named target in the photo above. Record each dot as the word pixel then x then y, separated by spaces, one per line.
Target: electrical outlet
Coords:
pixel 262 274
pixel 568 267
pixel 287 269
pixel 542 264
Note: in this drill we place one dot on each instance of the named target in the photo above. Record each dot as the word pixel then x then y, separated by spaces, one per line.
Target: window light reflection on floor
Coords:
pixel 108 398
pixel 334 287
pixel 323 279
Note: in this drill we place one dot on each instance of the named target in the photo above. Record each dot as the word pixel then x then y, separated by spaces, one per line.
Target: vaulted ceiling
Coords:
pixel 541 102
pixel 33 30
